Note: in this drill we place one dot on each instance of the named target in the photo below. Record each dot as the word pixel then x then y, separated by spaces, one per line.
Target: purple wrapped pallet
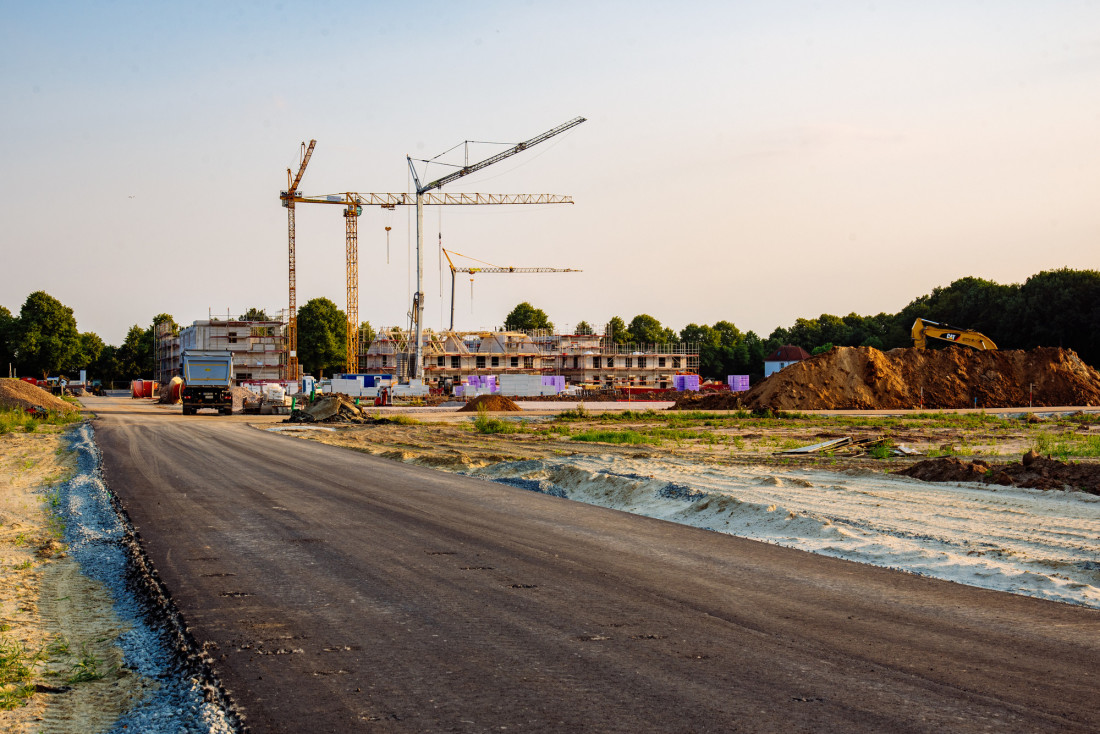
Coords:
pixel 738 383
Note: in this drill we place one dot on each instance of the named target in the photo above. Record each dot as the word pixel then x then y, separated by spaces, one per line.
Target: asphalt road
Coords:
pixel 338 592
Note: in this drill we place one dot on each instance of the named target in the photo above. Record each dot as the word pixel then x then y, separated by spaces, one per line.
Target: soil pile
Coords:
pixel 18 394
pixel 490 403
pixel 863 378
pixel 240 395
pixel 1033 471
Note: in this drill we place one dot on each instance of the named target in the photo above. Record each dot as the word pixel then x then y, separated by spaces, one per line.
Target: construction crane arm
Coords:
pixel 515 270
pixel 292 187
pixel 923 329
pixel 392 200
pixel 518 148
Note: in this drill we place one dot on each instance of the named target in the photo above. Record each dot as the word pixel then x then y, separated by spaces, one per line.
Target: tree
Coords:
pixel 105 368
pixel 645 329
pixel 583 328
pixel 366 334
pixel 7 336
pixel 91 348
pixel 526 317
pixel 133 358
pixel 254 314
pixel 616 330
pixel 46 337
pixel 322 334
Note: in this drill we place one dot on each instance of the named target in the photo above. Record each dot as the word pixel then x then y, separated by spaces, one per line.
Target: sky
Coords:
pixel 741 161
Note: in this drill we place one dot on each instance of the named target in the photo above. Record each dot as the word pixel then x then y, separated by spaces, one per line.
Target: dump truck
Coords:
pixel 207 380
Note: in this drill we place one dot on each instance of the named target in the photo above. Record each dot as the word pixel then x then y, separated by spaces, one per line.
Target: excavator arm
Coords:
pixel 923 330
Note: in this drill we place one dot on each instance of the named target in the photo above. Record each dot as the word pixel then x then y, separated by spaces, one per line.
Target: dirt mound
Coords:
pixel 19 394
pixel 240 395
pixel 489 402
pixel 1033 471
pixel 863 378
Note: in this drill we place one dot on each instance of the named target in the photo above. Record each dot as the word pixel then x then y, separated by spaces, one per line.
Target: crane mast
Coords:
pixel 291 370
pixel 418 301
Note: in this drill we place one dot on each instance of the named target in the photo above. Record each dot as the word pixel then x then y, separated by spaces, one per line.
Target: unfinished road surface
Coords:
pixel 338 592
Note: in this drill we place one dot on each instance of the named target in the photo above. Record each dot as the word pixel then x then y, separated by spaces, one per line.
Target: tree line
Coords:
pixel 1057 308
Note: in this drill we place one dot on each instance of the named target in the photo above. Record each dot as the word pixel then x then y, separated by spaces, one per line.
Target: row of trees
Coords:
pixel 1053 308
pixel 1057 308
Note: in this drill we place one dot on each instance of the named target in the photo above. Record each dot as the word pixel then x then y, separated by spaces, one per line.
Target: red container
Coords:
pixel 136 388
pixel 149 389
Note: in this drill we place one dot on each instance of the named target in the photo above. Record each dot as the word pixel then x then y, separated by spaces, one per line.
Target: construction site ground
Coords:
pixel 635 441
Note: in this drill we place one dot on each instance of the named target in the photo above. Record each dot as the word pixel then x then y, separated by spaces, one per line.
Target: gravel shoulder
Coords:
pixel 59 622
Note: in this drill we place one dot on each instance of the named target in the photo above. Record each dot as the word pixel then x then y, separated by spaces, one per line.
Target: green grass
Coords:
pixel 484 424
pixel 627 437
pixel 1065 445
pixel 19 420
pixel 87 668
pixel 16 670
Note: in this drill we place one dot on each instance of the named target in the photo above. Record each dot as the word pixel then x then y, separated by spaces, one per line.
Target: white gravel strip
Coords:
pixel 1037 543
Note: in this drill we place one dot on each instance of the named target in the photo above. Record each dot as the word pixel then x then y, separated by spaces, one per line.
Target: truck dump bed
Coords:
pixel 207 369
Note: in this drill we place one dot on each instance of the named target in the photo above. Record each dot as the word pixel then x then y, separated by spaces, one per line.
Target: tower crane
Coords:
pixel 421 190
pixel 290 371
pixel 490 269
pixel 353 204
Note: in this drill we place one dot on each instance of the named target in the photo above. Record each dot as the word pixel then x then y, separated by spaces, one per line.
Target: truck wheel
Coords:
pixel 227 411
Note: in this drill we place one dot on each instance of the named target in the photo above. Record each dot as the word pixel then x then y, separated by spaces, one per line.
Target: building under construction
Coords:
pixel 588 359
pixel 258 347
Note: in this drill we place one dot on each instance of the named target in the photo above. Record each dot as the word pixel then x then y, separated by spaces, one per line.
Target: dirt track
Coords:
pixel 335 589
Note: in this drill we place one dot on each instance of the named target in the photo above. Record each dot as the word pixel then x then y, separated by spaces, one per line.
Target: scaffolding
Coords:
pixel 588 359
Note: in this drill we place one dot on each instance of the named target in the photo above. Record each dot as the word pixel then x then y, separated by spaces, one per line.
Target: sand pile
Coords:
pixel 862 378
pixel 240 395
pixel 490 403
pixel 22 395
pixel 1033 471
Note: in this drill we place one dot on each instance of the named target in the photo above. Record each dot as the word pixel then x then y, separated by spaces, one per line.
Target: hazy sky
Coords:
pixel 747 161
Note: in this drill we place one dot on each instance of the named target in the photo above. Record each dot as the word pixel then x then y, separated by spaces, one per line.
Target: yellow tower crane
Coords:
pixel 490 269
pixel 353 204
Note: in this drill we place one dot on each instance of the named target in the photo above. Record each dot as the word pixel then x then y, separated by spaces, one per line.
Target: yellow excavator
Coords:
pixel 923 329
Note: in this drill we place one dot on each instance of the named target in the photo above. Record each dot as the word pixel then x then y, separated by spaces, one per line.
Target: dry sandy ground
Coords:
pixel 447 439
pixel 62 620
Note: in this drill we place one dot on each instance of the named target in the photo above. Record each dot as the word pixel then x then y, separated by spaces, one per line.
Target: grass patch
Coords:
pixel 14 421
pixel 883 450
pixel 87 668
pixel 404 420
pixel 16 670
pixel 622 437
pixel 484 424
pixel 1065 445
